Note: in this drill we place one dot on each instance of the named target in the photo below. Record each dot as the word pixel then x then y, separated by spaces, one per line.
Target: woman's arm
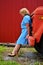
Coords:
pixel 28 28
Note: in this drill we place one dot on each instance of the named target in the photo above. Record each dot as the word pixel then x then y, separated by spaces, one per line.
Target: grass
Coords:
pixel 9 63
pixel 26 50
pixel 37 63
pixel 2 62
pixel 2 49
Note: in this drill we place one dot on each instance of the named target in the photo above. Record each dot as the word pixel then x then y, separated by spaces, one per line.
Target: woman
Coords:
pixel 24 33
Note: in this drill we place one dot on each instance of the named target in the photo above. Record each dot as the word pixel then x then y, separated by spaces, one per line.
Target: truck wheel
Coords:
pixel 39 46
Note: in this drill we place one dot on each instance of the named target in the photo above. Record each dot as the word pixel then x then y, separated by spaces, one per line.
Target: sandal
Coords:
pixel 11 55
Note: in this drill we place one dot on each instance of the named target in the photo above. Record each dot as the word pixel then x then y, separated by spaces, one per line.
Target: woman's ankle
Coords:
pixel 15 52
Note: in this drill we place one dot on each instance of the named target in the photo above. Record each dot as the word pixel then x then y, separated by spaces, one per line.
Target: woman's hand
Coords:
pixel 31 41
pixel 27 36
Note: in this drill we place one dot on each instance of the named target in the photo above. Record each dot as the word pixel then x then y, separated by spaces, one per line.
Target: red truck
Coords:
pixel 36 39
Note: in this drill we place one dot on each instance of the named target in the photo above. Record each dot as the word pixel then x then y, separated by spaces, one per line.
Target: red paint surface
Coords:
pixel 10 18
pixel 38 23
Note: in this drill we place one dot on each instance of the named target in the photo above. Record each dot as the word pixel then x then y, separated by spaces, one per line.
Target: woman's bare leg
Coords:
pixel 15 50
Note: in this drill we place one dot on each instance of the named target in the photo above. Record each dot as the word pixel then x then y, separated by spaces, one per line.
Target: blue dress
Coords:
pixel 22 38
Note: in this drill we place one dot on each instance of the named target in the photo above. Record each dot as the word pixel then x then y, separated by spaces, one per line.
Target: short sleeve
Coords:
pixel 27 19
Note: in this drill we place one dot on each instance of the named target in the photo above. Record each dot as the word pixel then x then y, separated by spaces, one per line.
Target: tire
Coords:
pixel 39 46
